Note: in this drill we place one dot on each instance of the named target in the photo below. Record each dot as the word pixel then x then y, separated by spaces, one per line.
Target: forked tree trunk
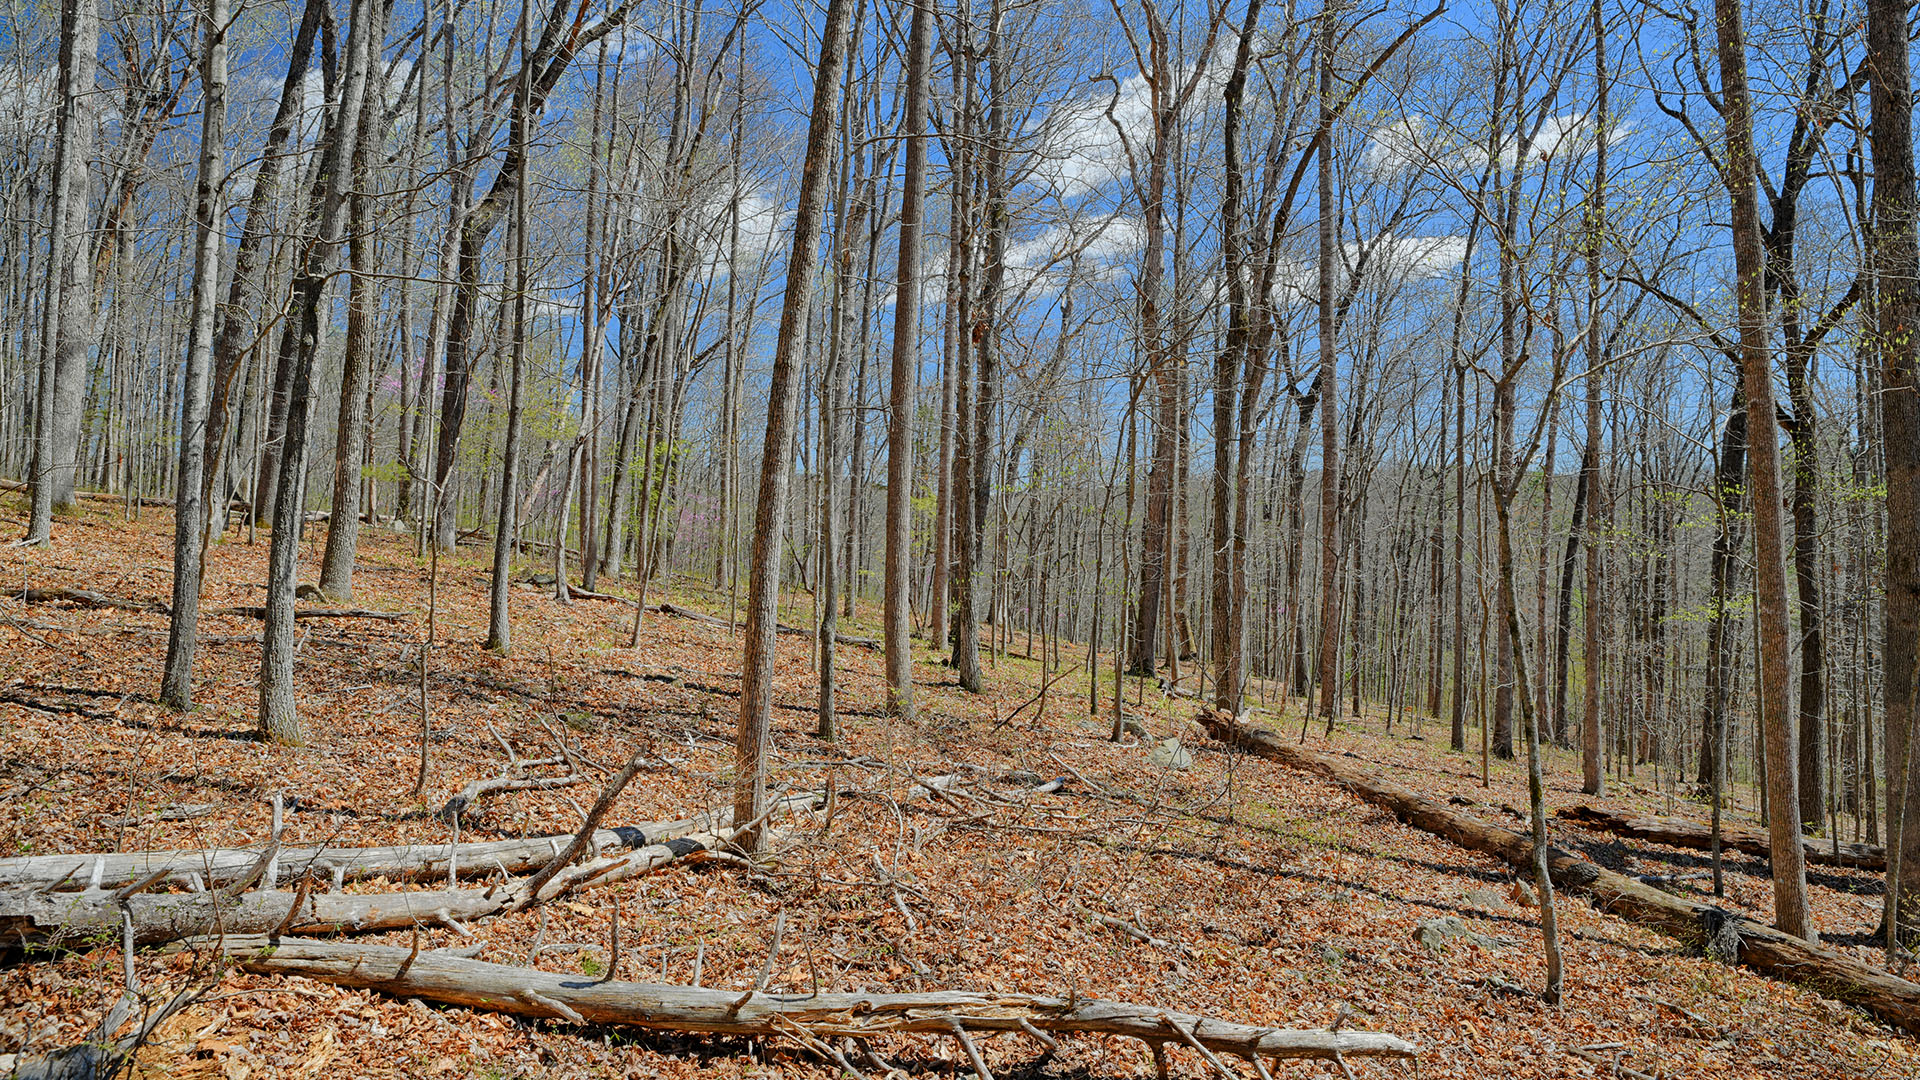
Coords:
pixel 279 716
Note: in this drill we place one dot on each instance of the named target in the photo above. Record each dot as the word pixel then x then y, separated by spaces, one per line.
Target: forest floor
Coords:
pixel 1282 899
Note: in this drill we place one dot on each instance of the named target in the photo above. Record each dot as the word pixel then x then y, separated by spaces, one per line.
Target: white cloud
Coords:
pixel 1082 144
pixel 1390 259
pixel 1412 143
pixel 30 104
pixel 762 223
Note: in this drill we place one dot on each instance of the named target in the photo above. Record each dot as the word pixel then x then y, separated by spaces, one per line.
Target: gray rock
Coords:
pixel 1437 934
pixel 1169 754
pixel 1487 899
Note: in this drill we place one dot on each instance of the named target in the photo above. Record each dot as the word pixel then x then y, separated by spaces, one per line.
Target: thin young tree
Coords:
pixel 499 625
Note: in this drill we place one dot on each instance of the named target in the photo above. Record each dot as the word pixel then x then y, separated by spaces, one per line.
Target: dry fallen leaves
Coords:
pixel 1295 904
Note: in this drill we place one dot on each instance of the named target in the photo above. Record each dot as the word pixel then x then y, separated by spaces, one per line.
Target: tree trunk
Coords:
pixel 1331 593
pixel 279 717
pixel 905 361
pixel 1771 611
pixel 507 527
pixel 1896 259
pixel 190 508
pixel 350 427
pixel 770 510
pixel 817 1020
pixel 67 310
pixel 1686 833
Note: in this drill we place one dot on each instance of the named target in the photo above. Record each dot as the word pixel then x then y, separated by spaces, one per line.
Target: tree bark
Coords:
pixel 67 310
pixel 770 510
pixel 190 508
pixel 1331 593
pixel 898 613
pixel 279 716
pixel 821 1018
pixel 1896 258
pixel 350 424
pixel 1763 467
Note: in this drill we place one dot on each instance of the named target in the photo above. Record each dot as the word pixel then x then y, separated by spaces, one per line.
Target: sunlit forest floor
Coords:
pixel 1279 898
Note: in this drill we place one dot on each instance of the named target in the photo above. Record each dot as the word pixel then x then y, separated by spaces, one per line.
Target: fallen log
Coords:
pixel 815 1021
pixel 28 916
pixel 34 916
pixel 1760 947
pixel 398 862
pixel 111 497
pixel 1698 835
pixel 254 611
pixel 700 616
pixel 515 777
pixel 90 599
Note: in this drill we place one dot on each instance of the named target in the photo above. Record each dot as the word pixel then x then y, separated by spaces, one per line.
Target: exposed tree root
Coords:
pixel 1892 999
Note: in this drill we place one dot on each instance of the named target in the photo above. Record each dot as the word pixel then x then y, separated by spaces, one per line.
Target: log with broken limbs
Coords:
pixel 819 1017
pixel 40 916
pixel 209 867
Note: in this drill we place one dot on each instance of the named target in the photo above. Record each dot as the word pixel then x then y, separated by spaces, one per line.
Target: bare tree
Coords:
pixel 189 528
pixel 1763 469
pixel 68 308
pixel 279 714
pixel 905 362
pixel 770 510
pixel 1896 260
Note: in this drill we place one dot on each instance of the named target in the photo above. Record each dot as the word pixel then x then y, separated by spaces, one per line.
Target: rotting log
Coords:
pixel 1698 835
pixel 90 599
pixel 810 1019
pixel 253 611
pixel 1761 947
pixel 398 862
pixel 28 916
pixel 35 916
pixel 679 612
